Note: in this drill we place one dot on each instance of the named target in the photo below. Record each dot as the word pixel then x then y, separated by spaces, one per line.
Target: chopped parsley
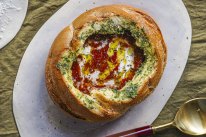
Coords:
pixel 89 103
pixel 131 91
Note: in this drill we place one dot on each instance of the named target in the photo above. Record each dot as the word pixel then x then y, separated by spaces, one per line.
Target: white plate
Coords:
pixel 35 113
pixel 12 14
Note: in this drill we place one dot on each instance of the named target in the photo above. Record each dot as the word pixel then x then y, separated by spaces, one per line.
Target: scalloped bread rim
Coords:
pixel 56 85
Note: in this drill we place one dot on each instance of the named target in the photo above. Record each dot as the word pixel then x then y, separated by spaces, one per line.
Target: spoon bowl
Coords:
pixel 191 117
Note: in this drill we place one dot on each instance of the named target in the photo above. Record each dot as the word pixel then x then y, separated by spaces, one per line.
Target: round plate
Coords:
pixel 36 114
pixel 12 14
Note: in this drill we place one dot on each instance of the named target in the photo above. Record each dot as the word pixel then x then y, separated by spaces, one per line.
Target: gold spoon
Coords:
pixel 190 119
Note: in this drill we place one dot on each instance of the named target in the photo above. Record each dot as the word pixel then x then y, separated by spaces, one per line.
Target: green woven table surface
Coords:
pixel 192 83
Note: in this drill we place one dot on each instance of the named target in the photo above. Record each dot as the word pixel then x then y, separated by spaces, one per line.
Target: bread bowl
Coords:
pixel 107 60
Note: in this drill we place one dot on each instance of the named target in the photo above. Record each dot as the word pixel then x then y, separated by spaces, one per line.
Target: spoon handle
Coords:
pixel 137 132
